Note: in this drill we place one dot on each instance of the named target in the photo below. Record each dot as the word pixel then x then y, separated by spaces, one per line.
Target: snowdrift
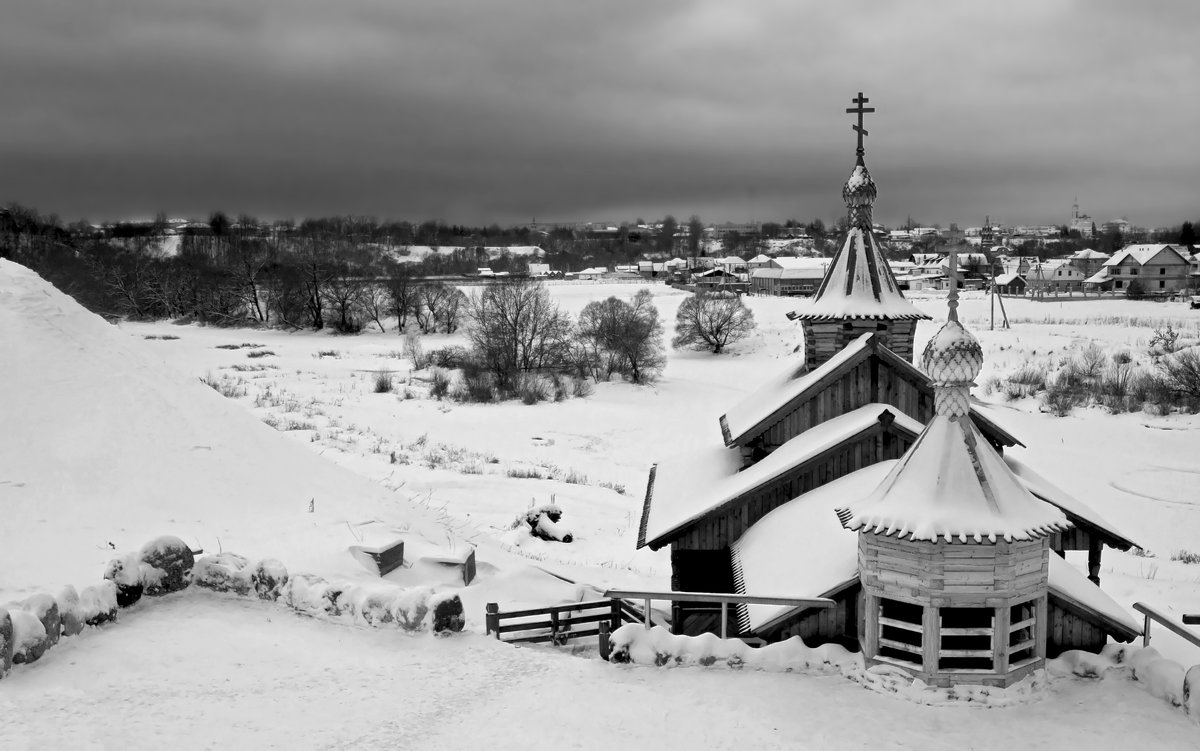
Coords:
pixel 105 446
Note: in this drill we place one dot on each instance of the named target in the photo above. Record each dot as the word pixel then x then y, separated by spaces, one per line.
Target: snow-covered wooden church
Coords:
pixel 957 571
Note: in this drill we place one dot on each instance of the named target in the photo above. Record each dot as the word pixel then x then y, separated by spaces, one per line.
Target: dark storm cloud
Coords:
pixel 481 111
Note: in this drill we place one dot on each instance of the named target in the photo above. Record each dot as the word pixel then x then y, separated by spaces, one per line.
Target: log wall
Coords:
pixel 825 338
pixel 721 528
pixel 946 574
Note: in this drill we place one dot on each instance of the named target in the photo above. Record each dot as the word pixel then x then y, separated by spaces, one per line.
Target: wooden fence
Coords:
pixel 559 624
pixel 1156 615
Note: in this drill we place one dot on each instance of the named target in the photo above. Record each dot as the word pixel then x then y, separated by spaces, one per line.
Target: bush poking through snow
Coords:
pixel 98 604
pixel 383 382
pixel 6 642
pixel 171 560
pixel 439 384
pixel 544 523
pixel 447 613
pixel 268 577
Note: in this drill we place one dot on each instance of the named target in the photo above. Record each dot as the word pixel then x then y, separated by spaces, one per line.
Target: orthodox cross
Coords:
pixel 952 298
pixel 860 110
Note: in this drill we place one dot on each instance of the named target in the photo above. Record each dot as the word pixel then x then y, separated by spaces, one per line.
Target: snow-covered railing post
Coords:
pixel 493 619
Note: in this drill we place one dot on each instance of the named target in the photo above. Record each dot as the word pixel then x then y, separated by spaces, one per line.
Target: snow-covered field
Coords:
pixel 118 440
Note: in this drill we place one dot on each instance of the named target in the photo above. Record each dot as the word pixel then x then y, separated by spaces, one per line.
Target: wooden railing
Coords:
pixel 724 598
pixel 560 623
pixel 1152 614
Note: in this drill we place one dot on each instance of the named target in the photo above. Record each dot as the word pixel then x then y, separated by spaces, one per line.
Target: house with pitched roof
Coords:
pixel 750 509
pixel 1161 269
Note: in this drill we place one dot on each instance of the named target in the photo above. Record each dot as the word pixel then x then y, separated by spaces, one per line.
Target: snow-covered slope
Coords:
pixel 104 446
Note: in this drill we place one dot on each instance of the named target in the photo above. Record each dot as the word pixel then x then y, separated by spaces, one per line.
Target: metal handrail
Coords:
pixel 722 597
pixel 1153 614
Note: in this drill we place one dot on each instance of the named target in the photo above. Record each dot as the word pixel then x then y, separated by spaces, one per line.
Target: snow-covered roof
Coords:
pixel 1006 279
pixel 794 262
pixel 860 284
pixel 787 385
pixel 693 485
pixel 760 258
pixel 1075 509
pixel 1087 254
pixel 1142 254
pixel 1099 277
pixel 800 548
pixel 952 484
pixel 796 551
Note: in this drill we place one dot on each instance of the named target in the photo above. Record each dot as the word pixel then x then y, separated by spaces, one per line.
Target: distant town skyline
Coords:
pixel 477 112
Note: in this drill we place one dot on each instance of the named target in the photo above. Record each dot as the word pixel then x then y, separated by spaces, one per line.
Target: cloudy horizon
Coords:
pixel 479 112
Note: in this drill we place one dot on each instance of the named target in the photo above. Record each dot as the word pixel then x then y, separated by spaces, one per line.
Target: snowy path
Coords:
pixel 203 671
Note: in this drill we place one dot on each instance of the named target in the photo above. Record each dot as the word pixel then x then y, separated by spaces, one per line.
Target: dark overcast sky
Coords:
pixel 475 111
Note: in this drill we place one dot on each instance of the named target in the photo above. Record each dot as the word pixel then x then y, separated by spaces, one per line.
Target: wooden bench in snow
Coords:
pixel 465 560
pixel 384 559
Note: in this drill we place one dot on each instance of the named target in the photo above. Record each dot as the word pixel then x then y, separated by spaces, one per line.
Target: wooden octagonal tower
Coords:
pixel 953 550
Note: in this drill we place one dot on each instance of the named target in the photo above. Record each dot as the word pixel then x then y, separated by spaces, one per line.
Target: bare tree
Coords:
pixel 712 320
pixel 516 328
pixel 377 303
pixel 624 338
pixel 402 291
pixel 451 309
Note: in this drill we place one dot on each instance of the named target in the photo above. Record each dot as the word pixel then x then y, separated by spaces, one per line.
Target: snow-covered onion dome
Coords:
pixel 953 359
pixel 859 193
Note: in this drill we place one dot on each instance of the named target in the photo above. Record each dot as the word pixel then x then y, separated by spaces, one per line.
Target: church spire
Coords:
pixel 859 293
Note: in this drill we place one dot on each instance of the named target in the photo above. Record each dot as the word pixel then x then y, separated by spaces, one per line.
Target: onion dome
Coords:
pixel 951 484
pixel 859 193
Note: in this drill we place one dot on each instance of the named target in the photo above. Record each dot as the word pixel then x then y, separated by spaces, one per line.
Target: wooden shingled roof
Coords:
pixel 791 389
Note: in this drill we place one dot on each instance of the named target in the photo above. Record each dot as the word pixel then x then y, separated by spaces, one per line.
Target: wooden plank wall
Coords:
pixel 837 624
pixel 953 574
pixel 1076 538
pixel 869 381
pixel 824 339
pixel 1065 630
pixel 718 530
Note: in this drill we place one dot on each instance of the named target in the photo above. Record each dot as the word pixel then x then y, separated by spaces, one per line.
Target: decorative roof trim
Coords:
pixel 641 541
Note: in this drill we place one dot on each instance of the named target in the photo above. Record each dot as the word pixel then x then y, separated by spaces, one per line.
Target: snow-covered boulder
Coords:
pixel 1191 692
pixel 306 593
pixel 375 607
pixel 29 636
pixel 98 604
pixel 6 642
pixel 45 608
pixel 69 610
pixel 171 561
pixel 1164 679
pixel 268 578
pixel 1079 663
pixel 447 613
pixel 410 608
pixel 223 572
pixel 126 573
